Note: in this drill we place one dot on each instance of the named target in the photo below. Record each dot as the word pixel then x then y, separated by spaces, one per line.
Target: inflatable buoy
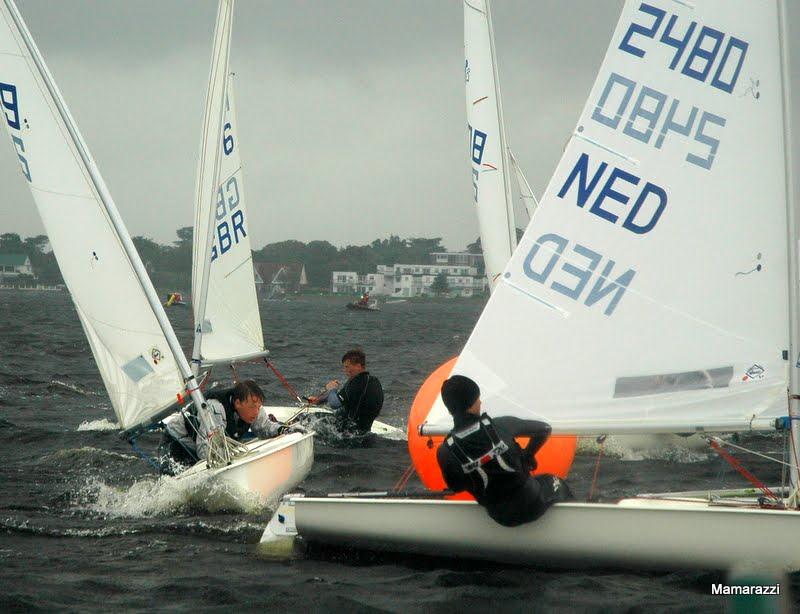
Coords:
pixel 555 457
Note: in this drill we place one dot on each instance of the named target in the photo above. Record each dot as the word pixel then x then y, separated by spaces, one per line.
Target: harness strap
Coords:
pixel 469 464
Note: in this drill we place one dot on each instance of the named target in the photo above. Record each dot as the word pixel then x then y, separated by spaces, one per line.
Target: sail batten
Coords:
pixel 657 255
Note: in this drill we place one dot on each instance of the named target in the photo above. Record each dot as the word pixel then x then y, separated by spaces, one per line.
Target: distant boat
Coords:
pixel 358 306
pixel 175 298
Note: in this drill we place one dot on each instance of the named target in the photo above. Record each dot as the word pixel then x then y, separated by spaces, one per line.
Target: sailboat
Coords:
pixel 661 268
pixel 490 156
pixel 225 302
pixel 141 362
pixel 225 305
pixel 493 165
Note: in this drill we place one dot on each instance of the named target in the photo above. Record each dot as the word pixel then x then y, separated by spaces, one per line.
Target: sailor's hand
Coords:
pixel 332 385
pixel 292 428
pixel 313 400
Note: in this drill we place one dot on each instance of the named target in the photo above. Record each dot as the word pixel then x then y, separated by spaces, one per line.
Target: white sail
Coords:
pixel 223 286
pixel 526 195
pixel 131 351
pixel 487 142
pixel 656 267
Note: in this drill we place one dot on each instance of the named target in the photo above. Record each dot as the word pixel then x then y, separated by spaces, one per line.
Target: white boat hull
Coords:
pixel 381 429
pixel 634 533
pixel 271 468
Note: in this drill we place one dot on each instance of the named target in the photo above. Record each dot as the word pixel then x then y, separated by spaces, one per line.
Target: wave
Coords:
pixel 165 496
pixel 69 387
pixel 30 527
pixel 674 448
pixel 240 530
pixel 104 424
pixel 85 453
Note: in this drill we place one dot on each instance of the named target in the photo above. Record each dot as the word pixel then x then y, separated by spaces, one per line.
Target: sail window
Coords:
pixel 640 385
pixel 137 368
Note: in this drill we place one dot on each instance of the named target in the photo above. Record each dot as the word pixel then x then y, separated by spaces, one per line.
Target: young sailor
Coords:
pixel 238 410
pixel 359 401
pixel 481 456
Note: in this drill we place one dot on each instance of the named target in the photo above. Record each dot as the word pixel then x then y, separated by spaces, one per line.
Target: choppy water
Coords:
pixel 85 524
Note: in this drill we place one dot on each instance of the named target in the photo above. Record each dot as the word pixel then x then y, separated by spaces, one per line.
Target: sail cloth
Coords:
pixel 527 199
pixel 225 300
pixel 650 290
pixel 487 142
pixel 132 354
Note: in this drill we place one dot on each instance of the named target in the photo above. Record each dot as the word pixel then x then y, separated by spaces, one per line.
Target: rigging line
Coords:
pixel 794 450
pixel 738 466
pixel 401 483
pixel 283 381
pixel 474 8
pixel 144 456
pixel 602 441
pixel 753 452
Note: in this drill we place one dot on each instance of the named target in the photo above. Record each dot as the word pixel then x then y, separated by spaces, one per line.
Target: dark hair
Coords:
pixel 355 355
pixel 245 389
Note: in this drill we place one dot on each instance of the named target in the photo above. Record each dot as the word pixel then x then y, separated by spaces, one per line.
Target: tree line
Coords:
pixel 170 266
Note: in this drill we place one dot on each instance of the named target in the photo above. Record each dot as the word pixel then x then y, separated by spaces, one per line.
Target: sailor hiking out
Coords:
pixel 481 456
pixel 237 410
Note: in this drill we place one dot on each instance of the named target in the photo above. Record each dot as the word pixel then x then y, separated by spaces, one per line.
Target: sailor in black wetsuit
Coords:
pixel 481 456
pixel 359 401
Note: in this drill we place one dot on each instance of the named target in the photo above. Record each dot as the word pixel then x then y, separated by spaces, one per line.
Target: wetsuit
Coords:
pixel 357 403
pixel 481 456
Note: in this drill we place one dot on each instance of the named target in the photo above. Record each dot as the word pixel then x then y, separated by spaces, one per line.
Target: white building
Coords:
pixel 14 265
pixel 407 280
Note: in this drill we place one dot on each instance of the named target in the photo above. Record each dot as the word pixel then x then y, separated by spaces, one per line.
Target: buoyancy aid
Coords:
pixel 482 452
pixel 235 427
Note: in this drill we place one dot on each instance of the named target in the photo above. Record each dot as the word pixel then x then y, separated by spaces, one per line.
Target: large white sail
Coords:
pixel 131 351
pixel 655 269
pixel 487 142
pixel 224 296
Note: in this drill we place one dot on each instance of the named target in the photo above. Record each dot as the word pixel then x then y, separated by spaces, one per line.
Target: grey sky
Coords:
pixel 351 113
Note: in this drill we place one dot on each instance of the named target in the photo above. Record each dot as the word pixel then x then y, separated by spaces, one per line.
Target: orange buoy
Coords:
pixel 555 456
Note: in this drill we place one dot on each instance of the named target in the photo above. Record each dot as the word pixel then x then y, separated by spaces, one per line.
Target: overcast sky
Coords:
pixel 351 113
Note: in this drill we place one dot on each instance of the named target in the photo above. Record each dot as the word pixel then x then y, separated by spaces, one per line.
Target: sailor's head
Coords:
pixel 247 399
pixel 461 396
pixel 354 362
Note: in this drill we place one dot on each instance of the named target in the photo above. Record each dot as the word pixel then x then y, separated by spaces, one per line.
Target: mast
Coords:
pixel 110 209
pixel 512 227
pixel 792 229
pixel 224 24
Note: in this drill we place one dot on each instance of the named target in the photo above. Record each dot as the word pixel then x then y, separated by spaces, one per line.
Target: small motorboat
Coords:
pixel 373 306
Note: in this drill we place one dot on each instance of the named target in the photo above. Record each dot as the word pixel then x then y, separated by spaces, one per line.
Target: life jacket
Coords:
pixel 235 427
pixel 482 452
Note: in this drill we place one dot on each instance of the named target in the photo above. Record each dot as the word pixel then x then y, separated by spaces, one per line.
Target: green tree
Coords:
pixel 420 248
pixel 475 247
pixel 440 285
pixel 185 236
pixel 319 259
pixel 282 252
pixel 150 252
pixel 11 243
